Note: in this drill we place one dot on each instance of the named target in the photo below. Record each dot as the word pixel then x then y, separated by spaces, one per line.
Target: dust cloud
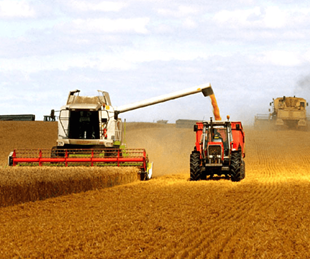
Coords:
pixel 168 147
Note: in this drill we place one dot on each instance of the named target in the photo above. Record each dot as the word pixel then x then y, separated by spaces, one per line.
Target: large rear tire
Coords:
pixel 195 168
pixel 236 174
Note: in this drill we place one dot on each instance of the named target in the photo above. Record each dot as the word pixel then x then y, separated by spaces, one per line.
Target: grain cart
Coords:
pixel 91 132
pixel 287 112
pixel 219 150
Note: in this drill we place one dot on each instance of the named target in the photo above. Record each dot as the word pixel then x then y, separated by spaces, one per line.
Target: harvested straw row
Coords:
pixel 19 185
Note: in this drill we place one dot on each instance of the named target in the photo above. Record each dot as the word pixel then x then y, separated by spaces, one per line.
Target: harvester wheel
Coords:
pixel 57 153
pixel 143 176
pixel 195 170
pixel 236 164
pixel 53 152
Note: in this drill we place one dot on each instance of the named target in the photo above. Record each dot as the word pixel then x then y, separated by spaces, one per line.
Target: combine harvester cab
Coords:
pixel 90 133
pixel 219 150
pixel 286 113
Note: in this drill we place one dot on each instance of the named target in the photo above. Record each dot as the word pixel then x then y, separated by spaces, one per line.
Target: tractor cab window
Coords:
pixel 217 134
pixel 220 135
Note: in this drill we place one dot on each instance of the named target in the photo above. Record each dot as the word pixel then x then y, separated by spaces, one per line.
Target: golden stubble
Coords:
pixel 266 215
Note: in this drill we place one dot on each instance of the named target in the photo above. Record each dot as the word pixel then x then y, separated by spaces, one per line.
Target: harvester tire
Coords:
pixel 236 164
pixel 195 169
pixel 54 152
pixel 143 176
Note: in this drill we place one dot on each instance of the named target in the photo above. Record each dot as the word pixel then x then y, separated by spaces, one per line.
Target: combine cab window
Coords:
pixel 84 125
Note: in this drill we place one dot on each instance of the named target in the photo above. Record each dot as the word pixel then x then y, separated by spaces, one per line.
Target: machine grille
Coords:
pixel 215 150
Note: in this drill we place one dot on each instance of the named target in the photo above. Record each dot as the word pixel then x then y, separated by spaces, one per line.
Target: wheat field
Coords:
pixel 266 215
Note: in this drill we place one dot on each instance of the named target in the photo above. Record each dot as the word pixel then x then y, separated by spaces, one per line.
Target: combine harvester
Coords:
pixel 287 112
pixel 90 133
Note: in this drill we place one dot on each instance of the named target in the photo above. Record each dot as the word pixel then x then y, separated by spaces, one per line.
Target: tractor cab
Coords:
pixel 219 134
pixel 214 140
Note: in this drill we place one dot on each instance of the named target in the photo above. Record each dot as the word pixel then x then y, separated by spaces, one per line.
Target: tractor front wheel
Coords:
pixel 195 168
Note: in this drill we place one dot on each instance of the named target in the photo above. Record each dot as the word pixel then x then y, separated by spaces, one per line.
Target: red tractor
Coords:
pixel 219 150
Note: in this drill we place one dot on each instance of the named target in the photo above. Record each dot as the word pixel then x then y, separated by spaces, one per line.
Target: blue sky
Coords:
pixel 250 51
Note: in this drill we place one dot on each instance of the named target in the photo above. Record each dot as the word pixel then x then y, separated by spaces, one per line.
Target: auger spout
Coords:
pixel 205 89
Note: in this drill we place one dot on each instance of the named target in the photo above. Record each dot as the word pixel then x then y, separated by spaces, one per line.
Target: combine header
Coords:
pixel 90 133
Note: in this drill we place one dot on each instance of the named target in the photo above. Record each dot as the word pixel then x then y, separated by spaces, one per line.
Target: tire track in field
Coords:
pixel 270 192
pixel 231 226
pixel 220 235
pixel 204 232
pixel 269 196
pixel 208 238
pixel 272 186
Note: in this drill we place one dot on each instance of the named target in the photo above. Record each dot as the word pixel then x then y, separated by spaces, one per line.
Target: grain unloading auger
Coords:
pixel 91 133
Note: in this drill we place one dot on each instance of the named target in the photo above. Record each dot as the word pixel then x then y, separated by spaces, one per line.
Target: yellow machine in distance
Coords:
pixel 286 112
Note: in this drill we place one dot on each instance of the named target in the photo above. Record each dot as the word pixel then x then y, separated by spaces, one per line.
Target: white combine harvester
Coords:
pixel 90 131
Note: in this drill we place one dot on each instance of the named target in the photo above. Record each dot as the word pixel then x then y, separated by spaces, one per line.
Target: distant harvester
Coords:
pixel 287 112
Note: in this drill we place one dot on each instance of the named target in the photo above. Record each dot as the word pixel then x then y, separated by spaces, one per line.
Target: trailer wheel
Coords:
pixel 195 170
pixel 243 170
pixel 236 166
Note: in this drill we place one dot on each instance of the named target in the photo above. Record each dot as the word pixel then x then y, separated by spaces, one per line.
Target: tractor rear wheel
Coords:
pixel 236 174
pixel 195 168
